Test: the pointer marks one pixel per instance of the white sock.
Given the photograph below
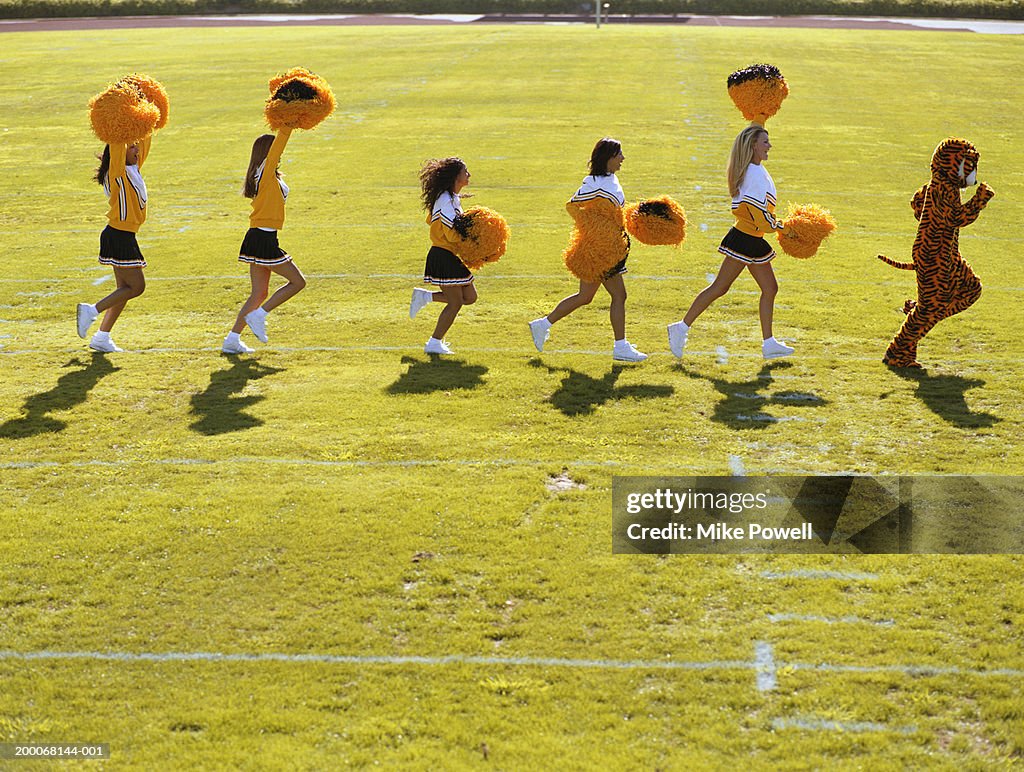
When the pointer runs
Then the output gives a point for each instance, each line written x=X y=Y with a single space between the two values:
x=621 y=341
x=92 y=310
x=101 y=335
x=770 y=340
x=433 y=340
x=261 y=311
x=544 y=319
x=233 y=337
x=684 y=325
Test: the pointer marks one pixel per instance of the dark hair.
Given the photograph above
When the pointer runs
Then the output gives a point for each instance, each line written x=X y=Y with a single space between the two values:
x=605 y=149
x=437 y=176
x=260 y=148
x=101 y=171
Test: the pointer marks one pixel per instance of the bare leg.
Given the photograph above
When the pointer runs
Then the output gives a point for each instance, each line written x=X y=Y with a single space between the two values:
x=455 y=297
x=731 y=268
x=259 y=277
x=296 y=283
x=130 y=284
x=617 y=313
x=765 y=278
x=567 y=305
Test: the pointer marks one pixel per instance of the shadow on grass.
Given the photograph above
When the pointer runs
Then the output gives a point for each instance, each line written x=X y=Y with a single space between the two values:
x=218 y=411
x=744 y=405
x=436 y=375
x=944 y=396
x=580 y=394
x=71 y=389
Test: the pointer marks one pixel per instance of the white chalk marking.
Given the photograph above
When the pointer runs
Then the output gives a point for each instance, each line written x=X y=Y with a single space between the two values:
x=722 y=355
x=818 y=724
x=916 y=671
x=847 y=620
x=766 y=668
x=770 y=419
x=351 y=659
x=736 y=466
x=338 y=464
x=100 y=280
x=803 y=573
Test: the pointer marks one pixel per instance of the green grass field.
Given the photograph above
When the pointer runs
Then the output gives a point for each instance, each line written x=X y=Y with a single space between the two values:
x=338 y=552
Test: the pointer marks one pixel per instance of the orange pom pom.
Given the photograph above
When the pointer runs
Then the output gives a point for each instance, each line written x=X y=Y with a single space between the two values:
x=656 y=221
x=807 y=225
x=598 y=241
x=121 y=115
x=758 y=91
x=483 y=236
x=299 y=100
x=153 y=92
x=294 y=72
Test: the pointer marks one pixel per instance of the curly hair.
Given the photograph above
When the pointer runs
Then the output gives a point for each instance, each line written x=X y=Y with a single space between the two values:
x=437 y=176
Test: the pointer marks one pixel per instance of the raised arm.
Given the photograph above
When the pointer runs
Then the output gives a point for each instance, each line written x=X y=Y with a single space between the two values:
x=144 y=146
x=965 y=214
x=277 y=149
x=118 y=156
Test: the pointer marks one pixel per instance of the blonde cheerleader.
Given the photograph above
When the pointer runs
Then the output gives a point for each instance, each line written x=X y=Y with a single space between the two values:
x=744 y=247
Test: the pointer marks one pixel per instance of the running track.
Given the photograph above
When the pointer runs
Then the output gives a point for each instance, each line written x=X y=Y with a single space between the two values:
x=271 y=20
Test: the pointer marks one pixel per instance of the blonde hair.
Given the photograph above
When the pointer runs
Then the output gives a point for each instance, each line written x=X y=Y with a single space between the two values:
x=741 y=155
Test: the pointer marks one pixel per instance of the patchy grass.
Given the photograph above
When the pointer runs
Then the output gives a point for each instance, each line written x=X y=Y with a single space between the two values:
x=340 y=494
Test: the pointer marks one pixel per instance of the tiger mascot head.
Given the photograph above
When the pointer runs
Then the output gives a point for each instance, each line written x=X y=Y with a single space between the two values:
x=955 y=162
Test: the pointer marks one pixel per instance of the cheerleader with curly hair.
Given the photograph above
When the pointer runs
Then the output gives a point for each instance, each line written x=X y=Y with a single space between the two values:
x=119 y=174
x=602 y=183
x=744 y=247
x=441 y=181
x=260 y=248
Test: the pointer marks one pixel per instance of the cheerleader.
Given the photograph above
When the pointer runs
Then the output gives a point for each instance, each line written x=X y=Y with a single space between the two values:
x=260 y=249
x=753 y=205
x=441 y=182
x=119 y=174
x=605 y=160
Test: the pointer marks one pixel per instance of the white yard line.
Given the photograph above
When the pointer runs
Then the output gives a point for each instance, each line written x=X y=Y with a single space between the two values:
x=803 y=573
x=764 y=664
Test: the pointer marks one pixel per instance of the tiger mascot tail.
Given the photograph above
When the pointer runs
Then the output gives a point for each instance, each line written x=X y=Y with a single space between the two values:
x=946 y=285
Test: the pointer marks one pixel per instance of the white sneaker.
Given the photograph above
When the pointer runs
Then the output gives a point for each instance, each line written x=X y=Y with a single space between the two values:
x=86 y=316
x=436 y=347
x=540 y=329
x=257 y=321
x=677 y=338
x=106 y=346
x=773 y=349
x=236 y=347
x=624 y=351
x=420 y=298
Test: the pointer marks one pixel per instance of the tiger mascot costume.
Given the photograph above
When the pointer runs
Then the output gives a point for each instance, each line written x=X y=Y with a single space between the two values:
x=946 y=285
